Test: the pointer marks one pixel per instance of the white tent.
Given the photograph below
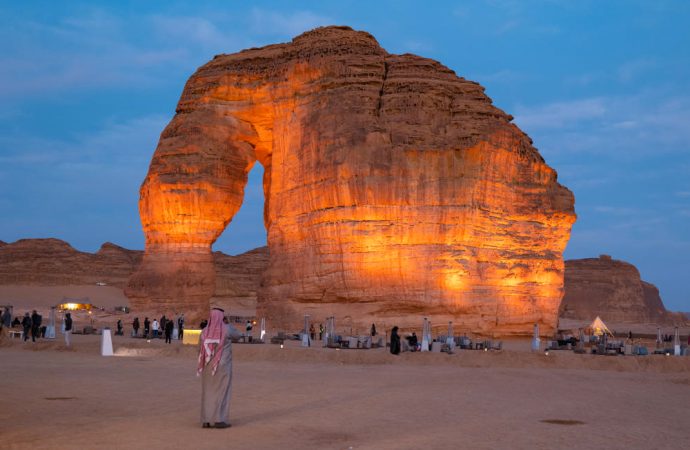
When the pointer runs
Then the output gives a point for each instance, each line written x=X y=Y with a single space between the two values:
x=599 y=327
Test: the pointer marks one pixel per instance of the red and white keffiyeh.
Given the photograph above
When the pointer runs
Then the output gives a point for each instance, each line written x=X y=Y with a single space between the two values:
x=212 y=339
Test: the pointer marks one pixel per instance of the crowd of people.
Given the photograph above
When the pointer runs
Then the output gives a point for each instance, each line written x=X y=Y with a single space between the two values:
x=156 y=329
x=33 y=327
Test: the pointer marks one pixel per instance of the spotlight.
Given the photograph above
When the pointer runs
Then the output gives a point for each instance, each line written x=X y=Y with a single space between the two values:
x=546 y=352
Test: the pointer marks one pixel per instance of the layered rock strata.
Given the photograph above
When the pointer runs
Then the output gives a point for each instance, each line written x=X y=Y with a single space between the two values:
x=393 y=189
x=52 y=262
x=613 y=290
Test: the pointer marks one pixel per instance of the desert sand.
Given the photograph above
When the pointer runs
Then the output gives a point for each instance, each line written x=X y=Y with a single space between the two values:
x=147 y=396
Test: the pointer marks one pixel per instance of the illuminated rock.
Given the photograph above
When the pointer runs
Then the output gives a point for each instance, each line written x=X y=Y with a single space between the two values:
x=613 y=290
x=394 y=189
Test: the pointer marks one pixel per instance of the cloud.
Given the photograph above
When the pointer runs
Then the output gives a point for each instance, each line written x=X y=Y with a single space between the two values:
x=99 y=49
x=192 y=30
x=617 y=210
x=116 y=146
x=560 y=114
x=634 y=125
x=288 y=24
x=631 y=70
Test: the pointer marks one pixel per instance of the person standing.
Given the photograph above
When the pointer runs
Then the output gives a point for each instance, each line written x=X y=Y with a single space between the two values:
x=7 y=318
x=35 y=326
x=312 y=332
x=119 y=327
x=321 y=332
x=249 y=330
x=395 y=341
x=169 y=325
x=180 y=326
x=373 y=330
x=135 y=326
x=147 y=327
x=26 y=325
x=68 y=328
x=214 y=365
x=154 y=327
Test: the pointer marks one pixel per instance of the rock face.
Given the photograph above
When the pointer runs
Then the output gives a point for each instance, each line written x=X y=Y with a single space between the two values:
x=52 y=262
x=49 y=262
x=393 y=189
x=613 y=290
x=238 y=280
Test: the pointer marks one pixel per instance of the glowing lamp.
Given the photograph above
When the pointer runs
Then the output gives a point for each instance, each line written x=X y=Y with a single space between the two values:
x=191 y=336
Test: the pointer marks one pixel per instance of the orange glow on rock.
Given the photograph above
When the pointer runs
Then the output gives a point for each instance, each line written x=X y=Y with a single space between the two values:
x=393 y=189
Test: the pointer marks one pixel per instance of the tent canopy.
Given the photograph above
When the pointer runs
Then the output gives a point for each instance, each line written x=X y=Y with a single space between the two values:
x=599 y=327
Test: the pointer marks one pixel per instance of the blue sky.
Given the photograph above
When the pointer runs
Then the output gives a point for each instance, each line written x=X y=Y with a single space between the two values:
x=602 y=87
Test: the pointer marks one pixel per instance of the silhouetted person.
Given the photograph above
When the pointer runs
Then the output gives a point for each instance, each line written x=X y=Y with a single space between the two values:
x=169 y=325
x=7 y=318
x=147 y=327
x=26 y=324
x=35 y=325
x=135 y=326
x=180 y=326
x=373 y=329
x=119 y=327
x=68 y=328
x=395 y=341
x=312 y=332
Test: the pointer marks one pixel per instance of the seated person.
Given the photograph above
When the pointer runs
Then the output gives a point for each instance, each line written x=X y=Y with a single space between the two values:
x=412 y=341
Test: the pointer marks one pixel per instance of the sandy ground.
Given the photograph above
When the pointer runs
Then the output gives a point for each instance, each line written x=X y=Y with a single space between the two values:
x=293 y=398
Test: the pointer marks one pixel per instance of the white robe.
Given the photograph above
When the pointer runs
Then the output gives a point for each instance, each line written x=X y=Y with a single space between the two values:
x=216 y=389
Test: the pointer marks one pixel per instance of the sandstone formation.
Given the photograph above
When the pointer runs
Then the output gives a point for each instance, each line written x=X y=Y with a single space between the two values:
x=52 y=262
x=393 y=189
x=613 y=290
x=238 y=280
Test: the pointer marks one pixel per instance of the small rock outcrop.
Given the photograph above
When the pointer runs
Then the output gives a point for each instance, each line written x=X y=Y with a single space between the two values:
x=392 y=187
x=613 y=290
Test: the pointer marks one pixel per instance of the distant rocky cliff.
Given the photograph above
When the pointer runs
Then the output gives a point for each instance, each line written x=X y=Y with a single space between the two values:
x=52 y=262
x=613 y=290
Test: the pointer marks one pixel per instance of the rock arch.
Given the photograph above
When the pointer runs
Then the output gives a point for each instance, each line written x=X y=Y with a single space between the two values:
x=392 y=187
